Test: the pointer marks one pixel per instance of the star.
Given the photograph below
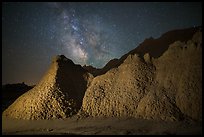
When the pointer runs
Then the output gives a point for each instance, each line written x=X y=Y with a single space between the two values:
x=75 y=28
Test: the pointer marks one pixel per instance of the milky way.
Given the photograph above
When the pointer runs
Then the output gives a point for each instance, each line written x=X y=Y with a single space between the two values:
x=87 y=33
x=84 y=39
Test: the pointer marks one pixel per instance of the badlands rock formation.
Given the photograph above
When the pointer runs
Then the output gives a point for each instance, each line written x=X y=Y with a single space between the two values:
x=166 y=88
x=58 y=95
x=164 y=83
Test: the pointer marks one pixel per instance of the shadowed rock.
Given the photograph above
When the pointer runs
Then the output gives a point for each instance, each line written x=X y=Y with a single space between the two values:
x=58 y=95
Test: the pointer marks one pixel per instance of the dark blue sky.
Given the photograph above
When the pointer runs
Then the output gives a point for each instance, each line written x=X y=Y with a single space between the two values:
x=87 y=33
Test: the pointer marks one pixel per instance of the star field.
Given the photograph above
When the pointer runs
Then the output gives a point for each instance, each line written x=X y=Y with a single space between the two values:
x=88 y=33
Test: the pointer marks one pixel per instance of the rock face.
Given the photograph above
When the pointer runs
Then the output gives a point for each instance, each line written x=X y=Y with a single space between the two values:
x=165 y=88
x=58 y=95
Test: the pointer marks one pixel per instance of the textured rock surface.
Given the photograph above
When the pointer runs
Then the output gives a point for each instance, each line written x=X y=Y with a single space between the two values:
x=58 y=95
x=118 y=92
x=179 y=71
x=167 y=88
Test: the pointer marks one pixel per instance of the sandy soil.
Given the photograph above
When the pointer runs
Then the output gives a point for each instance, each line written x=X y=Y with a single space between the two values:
x=98 y=126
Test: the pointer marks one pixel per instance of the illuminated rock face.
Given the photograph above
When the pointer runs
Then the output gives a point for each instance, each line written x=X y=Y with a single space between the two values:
x=166 y=88
x=58 y=95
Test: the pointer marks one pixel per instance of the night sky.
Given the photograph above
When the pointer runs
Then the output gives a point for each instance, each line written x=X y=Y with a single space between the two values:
x=87 y=33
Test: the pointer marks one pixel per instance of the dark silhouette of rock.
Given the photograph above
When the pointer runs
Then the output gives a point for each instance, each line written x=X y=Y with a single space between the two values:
x=98 y=71
x=58 y=95
x=10 y=92
x=154 y=47
x=92 y=70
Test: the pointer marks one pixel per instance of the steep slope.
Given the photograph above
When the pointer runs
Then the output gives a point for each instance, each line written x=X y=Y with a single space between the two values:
x=167 y=88
x=58 y=95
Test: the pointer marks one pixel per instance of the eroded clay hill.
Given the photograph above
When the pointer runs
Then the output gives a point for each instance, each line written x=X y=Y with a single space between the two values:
x=58 y=95
x=165 y=88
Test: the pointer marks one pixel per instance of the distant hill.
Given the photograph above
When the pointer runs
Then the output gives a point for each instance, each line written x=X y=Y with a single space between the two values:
x=155 y=47
x=10 y=92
